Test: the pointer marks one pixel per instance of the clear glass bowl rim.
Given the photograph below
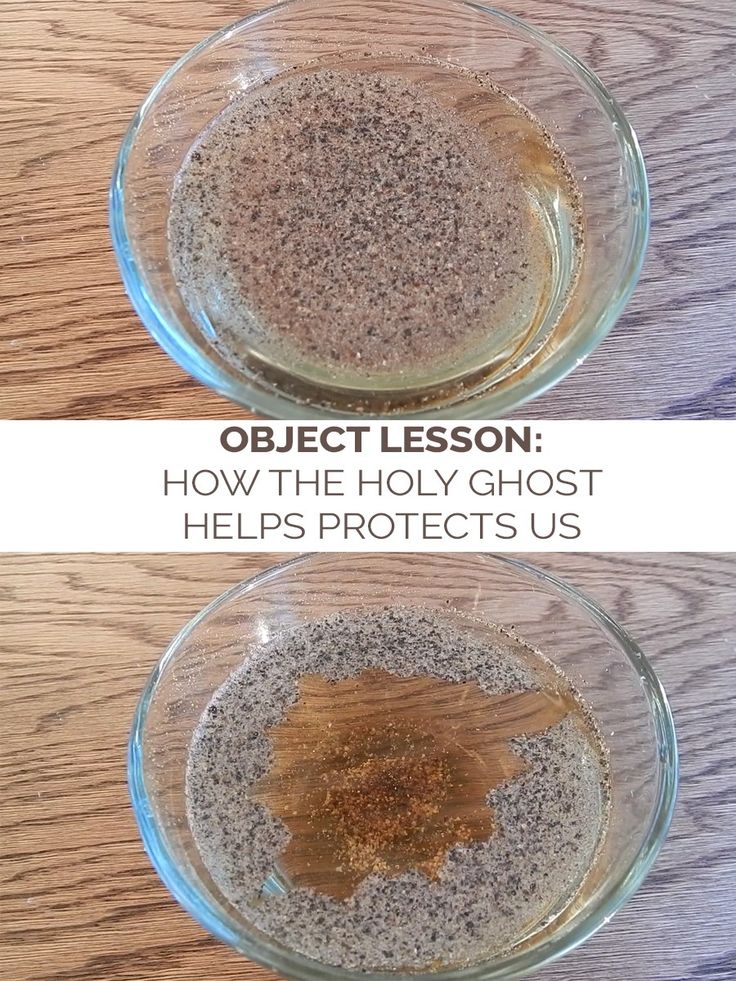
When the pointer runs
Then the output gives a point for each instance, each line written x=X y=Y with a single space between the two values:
x=291 y=964
x=487 y=405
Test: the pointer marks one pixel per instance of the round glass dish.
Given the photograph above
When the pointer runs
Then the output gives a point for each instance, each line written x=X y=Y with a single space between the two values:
x=596 y=653
x=565 y=96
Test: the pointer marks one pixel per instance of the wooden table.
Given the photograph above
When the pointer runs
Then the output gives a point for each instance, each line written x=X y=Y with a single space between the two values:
x=79 y=900
x=72 y=72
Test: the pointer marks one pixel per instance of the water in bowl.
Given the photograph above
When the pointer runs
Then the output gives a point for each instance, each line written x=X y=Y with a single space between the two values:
x=376 y=224
x=398 y=790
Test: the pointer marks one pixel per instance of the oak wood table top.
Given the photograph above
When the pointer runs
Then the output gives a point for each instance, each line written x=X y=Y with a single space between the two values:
x=78 y=898
x=73 y=72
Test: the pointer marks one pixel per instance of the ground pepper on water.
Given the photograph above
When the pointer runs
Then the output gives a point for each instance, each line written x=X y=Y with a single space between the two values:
x=349 y=219
x=548 y=820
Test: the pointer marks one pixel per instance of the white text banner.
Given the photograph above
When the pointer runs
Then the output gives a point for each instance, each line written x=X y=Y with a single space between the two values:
x=109 y=486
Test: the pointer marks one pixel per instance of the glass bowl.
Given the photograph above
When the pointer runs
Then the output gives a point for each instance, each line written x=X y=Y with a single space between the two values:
x=568 y=99
x=596 y=653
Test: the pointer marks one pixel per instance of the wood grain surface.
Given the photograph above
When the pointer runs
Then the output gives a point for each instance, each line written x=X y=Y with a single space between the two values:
x=72 y=72
x=79 y=900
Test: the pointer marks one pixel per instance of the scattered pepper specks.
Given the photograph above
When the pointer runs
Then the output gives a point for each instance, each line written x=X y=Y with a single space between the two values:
x=352 y=219
x=548 y=822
